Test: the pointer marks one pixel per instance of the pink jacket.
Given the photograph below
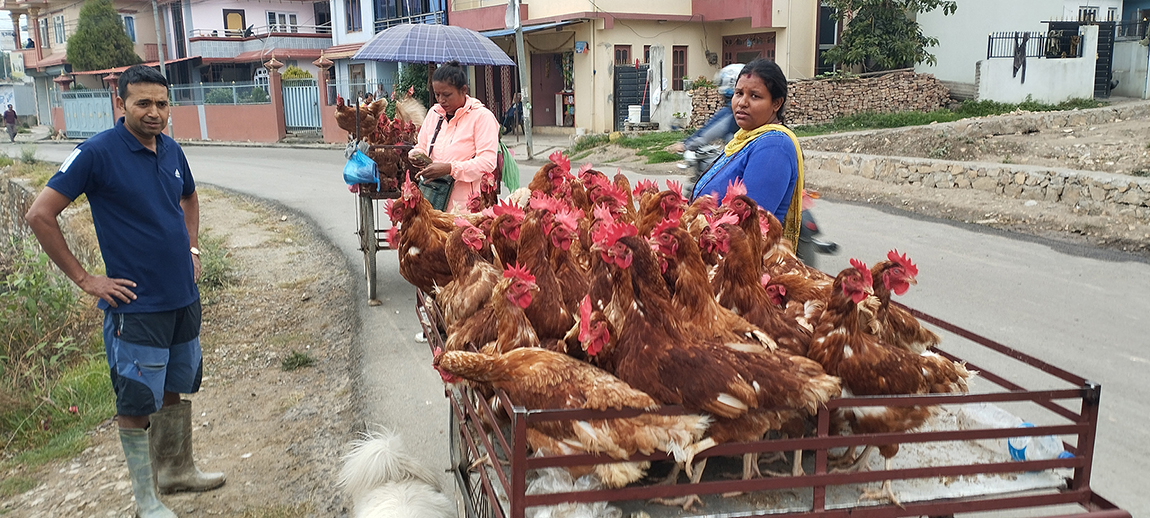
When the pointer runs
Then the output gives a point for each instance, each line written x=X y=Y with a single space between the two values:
x=469 y=142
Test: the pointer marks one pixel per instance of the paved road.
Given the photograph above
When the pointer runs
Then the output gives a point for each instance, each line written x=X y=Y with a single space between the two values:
x=1079 y=309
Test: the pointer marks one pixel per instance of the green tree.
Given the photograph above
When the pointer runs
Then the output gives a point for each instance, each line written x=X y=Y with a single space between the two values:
x=883 y=34
x=100 y=41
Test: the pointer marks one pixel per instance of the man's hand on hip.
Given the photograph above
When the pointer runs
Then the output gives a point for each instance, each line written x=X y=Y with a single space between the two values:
x=196 y=268
x=108 y=289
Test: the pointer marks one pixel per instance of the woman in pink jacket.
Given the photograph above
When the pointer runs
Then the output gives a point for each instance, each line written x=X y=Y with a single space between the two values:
x=462 y=135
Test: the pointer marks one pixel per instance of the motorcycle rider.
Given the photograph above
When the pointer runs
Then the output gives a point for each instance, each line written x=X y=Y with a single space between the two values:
x=720 y=127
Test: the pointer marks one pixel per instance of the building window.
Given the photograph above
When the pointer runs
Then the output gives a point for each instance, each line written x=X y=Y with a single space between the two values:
x=1087 y=14
x=678 y=66
x=354 y=15
x=282 y=22
x=1112 y=14
x=130 y=26
x=58 y=28
x=647 y=54
x=828 y=37
x=44 y=41
x=622 y=54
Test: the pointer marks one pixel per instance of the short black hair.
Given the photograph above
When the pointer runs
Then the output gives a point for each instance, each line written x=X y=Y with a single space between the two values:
x=139 y=74
x=451 y=73
x=773 y=77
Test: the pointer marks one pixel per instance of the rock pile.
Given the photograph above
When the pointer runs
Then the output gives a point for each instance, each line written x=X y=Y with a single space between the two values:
x=823 y=100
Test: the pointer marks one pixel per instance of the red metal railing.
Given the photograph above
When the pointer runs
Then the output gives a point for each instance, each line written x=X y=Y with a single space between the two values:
x=508 y=443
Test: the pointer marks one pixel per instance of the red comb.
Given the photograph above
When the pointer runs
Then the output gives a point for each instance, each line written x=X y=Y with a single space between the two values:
x=903 y=261
x=735 y=187
x=583 y=169
x=560 y=159
x=489 y=212
x=643 y=185
x=462 y=223
x=609 y=233
x=675 y=186
x=765 y=279
x=569 y=220
x=543 y=202
x=519 y=272
x=506 y=207
x=664 y=226
x=861 y=267
x=726 y=217
x=603 y=214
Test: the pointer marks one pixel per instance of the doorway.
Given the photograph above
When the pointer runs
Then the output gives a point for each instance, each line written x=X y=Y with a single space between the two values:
x=546 y=82
x=234 y=22
x=356 y=80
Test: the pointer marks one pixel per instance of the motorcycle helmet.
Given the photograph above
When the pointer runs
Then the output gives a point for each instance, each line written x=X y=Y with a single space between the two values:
x=726 y=78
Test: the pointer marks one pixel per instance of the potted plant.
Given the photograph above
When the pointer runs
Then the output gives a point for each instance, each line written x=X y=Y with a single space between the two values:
x=678 y=120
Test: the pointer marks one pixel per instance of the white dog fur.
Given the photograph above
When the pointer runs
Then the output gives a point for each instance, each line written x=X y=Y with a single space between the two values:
x=384 y=481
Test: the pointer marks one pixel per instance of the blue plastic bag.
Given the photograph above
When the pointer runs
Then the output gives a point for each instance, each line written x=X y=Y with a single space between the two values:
x=360 y=169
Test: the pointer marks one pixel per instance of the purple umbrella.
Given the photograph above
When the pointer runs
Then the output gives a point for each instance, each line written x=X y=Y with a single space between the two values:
x=432 y=43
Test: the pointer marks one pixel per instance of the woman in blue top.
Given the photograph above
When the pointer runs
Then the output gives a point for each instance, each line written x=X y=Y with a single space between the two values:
x=763 y=153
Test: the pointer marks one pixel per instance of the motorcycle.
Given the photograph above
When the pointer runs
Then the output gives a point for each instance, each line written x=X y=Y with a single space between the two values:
x=810 y=246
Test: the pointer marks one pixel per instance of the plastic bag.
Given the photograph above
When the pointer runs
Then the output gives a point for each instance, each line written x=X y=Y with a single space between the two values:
x=510 y=169
x=360 y=169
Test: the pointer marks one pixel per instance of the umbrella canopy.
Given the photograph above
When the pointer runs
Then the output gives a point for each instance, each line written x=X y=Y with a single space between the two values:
x=427 y=43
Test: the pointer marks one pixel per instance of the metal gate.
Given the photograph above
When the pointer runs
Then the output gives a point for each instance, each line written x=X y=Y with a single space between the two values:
x=631 y=88
x=301 y=104
x=87 y=112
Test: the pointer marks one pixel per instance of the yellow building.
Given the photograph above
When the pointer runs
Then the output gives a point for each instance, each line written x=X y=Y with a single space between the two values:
x=601 y=56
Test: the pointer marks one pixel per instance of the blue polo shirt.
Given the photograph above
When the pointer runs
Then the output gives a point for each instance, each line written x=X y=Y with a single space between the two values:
x=135 y=199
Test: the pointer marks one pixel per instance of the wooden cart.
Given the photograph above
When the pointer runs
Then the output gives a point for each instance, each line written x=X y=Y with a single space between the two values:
x=371 y=221
x=491 y=465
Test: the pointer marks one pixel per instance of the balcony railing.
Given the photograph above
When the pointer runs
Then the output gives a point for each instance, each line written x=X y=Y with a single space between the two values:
x=434 y=17
x=220 y=93
x=1135 y=30
x=263 y=31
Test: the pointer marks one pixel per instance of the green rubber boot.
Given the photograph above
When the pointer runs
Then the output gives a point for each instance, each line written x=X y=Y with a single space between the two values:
x=135 y=443
x=171 y=434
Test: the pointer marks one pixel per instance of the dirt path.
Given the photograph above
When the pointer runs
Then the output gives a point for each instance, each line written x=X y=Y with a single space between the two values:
x=277 y=434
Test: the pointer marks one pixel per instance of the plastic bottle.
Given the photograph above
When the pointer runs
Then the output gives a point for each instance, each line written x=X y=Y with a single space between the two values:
x=1043 y=447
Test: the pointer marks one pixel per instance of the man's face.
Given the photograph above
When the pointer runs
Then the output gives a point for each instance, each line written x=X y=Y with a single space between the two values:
x=145 y=108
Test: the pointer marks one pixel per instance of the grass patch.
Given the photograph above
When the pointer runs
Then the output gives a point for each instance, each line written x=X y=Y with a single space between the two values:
x=28 y=155
x=216 y=269
x=588 y=142
x=6 y=161
x=16 y=485
x=651 y=144
x=37 y=173
x=865 y=121
x=296 y=360
x=279 y=511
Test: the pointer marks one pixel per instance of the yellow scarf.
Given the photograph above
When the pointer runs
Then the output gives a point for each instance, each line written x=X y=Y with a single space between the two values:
x=795 y=210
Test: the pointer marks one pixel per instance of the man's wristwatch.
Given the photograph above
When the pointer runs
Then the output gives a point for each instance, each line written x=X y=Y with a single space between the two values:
x=195 y=251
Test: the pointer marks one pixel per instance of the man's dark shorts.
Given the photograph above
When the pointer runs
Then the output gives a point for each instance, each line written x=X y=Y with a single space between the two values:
x=150 y=353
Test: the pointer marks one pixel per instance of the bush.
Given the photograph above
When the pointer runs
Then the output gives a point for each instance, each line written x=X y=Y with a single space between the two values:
x=294 y=72
x=216 y=269
x=220 y=96
x=28 y=155
x=42 y=319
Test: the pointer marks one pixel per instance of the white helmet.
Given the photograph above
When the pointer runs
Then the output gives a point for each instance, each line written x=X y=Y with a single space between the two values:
x=726 y=78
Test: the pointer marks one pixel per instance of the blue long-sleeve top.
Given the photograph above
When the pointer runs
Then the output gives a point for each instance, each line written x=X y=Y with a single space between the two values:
x=768 y=166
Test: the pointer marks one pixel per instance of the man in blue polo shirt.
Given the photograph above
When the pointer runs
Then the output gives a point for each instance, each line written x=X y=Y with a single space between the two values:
x=146 y=213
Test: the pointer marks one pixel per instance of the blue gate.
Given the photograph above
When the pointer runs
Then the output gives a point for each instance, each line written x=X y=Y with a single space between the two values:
x=87 y=112
x=301 y=104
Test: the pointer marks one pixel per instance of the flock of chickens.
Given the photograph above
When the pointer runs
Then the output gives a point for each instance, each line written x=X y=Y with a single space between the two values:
x=569 y=295
x=387 y=139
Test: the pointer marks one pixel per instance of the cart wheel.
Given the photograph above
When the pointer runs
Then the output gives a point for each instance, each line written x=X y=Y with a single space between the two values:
x=369 y=244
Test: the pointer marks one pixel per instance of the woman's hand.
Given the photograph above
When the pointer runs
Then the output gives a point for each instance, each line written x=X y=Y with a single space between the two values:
x=434 y=170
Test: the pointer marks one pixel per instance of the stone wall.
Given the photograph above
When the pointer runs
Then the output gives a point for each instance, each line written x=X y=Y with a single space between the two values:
x=15 y=198
x=1093 y=192
x=823 y=100
x=16 y=195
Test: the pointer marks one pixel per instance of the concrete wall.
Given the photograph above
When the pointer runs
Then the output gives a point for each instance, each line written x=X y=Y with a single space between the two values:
x=236 y=123
x=208 y=15
x=1131 y=67
x=962 y=36
x=1070 y=8
x=1047 y=80
x=340 y=34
